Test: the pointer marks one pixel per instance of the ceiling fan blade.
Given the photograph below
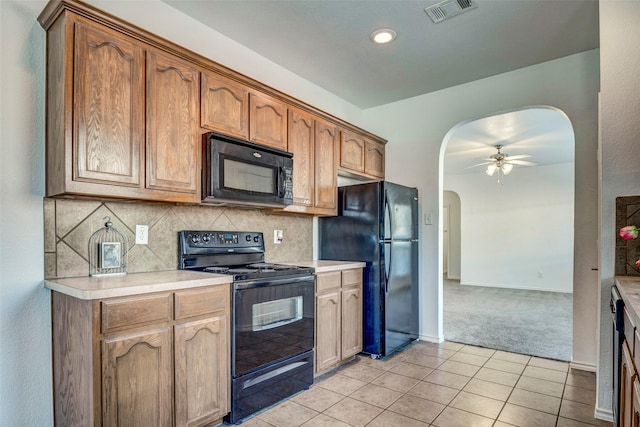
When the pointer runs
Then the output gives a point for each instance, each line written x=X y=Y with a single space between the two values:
x=522 y=162
x=519 y=156
x=479 y=164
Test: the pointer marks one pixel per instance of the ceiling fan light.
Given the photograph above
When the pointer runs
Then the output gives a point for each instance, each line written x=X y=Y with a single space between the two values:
x=491 y=169
x=507 y=168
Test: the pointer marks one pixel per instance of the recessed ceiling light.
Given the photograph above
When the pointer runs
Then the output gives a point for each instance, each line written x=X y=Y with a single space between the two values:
x=382 y=36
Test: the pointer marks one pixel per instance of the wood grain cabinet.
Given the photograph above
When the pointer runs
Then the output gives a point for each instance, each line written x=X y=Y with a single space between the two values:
x=224 y=106
x=338 y=317
x=121 y=117
x=313 y=143
x=267 y=121
x=158 y=359
x=361 y=155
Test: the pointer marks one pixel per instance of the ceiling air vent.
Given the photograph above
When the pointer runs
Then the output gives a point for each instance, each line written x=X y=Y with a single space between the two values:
x=449 y=8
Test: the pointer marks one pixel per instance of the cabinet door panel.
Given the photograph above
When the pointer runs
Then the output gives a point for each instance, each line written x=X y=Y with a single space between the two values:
x=627 y=376
x=301 y=144
x=326 y=185
x=267 y=122
x=351 y=151
x=108 y=107
x=328 y=335
x=351 y=321
x=137 y=384
x=224 y=106
x=173 y=87
x=202 y=365
x=374 y=159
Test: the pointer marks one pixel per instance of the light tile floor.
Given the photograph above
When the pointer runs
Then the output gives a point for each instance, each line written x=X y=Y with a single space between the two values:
x=444 y=385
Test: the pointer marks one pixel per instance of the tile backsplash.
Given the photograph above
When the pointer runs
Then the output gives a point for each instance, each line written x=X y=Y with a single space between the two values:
x=68 y=225
x=627 y=251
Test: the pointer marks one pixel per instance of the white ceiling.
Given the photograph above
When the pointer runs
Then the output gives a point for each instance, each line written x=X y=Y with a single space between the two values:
x=327 y=43
x=543 y=133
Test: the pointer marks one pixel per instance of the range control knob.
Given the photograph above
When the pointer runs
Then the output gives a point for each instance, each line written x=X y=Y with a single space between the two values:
x=248 y=237
x=206 y=238
x=195 y=238
x=256 y=239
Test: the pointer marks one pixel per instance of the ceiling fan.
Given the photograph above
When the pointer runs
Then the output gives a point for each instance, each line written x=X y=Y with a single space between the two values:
x=503 y=163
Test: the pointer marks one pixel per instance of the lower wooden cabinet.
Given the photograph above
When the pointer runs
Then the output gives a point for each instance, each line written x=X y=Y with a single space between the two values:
x=338 y=317
x=159 y=359
x=627 y=376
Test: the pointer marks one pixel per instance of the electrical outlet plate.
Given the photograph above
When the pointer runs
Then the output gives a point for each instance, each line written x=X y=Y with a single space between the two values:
x=277 y=236
x=142 y=234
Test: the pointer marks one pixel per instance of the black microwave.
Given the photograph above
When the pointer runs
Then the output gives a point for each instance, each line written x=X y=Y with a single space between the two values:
x=240 y=172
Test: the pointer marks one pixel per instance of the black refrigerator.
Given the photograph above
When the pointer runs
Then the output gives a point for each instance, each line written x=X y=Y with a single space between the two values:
x=377 y=223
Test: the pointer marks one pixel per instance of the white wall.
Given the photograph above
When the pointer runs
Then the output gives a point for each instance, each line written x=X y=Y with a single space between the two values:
x=25 y=333
x=513 y=232
x=417 y=127
x=620 y=151
x=25 y=325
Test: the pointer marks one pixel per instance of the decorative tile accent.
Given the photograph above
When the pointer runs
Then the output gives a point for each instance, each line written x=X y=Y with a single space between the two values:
x=627 y=251
x=70 y=223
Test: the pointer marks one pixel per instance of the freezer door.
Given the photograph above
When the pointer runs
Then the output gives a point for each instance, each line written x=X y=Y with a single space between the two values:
x=400 y=212
x=401 y=294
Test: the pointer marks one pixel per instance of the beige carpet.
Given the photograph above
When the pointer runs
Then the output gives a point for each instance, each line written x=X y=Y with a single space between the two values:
x=528 y=322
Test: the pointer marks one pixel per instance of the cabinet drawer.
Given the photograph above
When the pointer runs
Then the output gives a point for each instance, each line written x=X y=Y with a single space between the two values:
x=352 y=277
x=629 y=330
x=196 y=302
x=326 y=281
x=129 y=312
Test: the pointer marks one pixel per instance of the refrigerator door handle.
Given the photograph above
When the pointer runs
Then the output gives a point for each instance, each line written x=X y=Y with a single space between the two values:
x=388 y=218
x=387 y=266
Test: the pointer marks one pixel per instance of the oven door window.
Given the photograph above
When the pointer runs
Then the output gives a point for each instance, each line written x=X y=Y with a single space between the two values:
x=273 y=314
x=244 y=176
x=272 y=323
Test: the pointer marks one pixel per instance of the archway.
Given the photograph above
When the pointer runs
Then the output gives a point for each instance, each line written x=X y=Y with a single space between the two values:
x=518 y=229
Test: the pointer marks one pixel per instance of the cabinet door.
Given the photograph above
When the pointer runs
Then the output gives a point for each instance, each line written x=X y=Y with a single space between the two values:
x=326 y=170
x=268 y=121
x=173 y=137
x=328 y=314
x=351 y=321
x=137 y=387
x=374 y=159
x=202 y=371
x=108 y=107
x=351 y=151
x=627 y=376
x=301 y=144
x=635 y=413
x=224 y=106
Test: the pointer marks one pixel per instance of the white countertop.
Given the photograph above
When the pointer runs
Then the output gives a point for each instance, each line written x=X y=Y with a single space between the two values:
x=89 y=288
x=324 y=266
x=629 y=288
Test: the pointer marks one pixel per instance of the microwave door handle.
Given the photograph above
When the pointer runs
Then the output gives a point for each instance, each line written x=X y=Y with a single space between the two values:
x=281 y=186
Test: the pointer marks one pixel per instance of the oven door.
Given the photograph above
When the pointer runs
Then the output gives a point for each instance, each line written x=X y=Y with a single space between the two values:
x=273 y=320
x=241 y=172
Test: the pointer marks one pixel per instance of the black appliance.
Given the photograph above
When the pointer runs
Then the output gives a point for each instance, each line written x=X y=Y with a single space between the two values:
x=241 y=172
x=617 y=305
x=273 y=310
x=378 y=224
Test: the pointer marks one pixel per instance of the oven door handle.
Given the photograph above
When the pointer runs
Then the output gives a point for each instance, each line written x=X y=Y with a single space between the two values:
x=259 y=283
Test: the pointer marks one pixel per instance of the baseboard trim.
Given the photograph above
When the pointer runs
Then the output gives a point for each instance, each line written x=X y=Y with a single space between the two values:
x=582 y=366
x=604 y=414
x=520 y=288
x=430 y=338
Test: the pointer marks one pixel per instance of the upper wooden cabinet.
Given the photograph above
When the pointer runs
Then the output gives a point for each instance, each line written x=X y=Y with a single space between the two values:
x=374 y=158
x=106 y=134
x=361 y=155
x=267 y=121
x=313 y=143
x=173 y=137
x=224 y=106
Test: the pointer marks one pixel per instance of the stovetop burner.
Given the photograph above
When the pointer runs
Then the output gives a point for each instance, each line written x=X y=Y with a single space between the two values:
x=238 y=253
